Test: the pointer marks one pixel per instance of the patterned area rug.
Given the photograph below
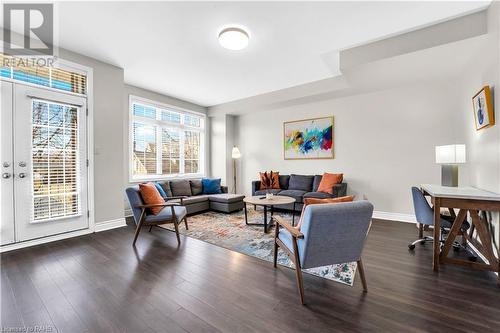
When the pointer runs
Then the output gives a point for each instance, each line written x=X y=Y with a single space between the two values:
x=231 y=232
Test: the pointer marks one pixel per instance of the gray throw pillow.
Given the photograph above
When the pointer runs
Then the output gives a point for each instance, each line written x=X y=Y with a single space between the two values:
x=196 y=186
x=180 y=187
x=317 y=180
x=166 y=187
x=300 y=182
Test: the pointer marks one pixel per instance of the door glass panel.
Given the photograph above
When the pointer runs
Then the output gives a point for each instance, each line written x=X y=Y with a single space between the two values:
x=55 y=151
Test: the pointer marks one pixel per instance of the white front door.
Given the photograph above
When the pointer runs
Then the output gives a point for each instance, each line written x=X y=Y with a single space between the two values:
x=49 y=162
x=7 y=233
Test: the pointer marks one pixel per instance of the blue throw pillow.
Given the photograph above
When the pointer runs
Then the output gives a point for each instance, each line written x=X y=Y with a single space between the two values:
x=211 y=186
x=160 y=189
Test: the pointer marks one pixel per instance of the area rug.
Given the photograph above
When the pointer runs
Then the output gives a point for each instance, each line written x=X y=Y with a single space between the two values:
x=230 y=231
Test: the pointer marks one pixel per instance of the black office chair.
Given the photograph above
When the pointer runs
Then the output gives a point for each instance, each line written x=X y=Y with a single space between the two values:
x=425 y=216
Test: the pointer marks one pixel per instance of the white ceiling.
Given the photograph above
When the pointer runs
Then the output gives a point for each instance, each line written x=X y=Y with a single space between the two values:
x=172 y=48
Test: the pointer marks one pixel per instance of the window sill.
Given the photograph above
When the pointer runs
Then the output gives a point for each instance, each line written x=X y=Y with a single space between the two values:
x=137 y=180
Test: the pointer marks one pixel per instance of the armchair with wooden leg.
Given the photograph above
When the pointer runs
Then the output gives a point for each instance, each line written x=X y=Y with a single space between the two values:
x=329 y=234
x=171 y=212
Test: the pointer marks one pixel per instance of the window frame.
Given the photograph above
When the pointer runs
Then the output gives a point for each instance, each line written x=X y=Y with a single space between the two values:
x=159 y=124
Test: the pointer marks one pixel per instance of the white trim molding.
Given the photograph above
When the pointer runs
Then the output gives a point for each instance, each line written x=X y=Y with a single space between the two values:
x=400 y=217
x=98 y=227
x=43 y=240
x=111 y=224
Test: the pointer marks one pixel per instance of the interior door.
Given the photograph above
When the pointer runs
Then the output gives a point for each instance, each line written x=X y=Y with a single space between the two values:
x=7 y=233
x=50 y=163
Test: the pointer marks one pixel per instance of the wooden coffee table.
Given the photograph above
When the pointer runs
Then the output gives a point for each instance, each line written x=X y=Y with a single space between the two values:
x=260 y=200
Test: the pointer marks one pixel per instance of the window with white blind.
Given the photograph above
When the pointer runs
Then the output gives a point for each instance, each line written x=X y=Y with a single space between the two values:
x=164 y=141
x=56 y=172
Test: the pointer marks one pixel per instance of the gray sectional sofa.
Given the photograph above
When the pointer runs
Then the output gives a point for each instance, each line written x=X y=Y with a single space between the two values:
x=195 y=201
x=300 y=187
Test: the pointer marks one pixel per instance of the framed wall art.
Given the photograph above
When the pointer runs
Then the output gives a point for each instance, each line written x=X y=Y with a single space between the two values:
x=308 y=139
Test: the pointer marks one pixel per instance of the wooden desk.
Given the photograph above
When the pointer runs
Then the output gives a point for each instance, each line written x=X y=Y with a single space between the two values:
x=468 y=200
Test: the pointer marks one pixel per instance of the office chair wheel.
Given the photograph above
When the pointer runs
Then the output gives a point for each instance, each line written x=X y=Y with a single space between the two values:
x=411 y=246
x=472 y=258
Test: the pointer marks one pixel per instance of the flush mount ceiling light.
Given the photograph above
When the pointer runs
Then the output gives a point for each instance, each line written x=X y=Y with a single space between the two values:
x=234 y=38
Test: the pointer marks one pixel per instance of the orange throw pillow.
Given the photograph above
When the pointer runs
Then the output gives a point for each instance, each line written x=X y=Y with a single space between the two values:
x=151 y=196
x=328 y=180
x=316 y=201
x=269 y=180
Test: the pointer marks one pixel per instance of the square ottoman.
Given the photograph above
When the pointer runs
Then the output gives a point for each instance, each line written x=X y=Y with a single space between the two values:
x=226 y=202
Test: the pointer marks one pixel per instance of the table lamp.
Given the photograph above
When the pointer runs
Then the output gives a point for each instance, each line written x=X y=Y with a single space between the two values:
x=449 y=157
x=235 y=154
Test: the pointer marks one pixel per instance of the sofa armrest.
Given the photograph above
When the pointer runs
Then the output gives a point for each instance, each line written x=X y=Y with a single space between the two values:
x=339 y=190
x=255 y=186
x=224 y=189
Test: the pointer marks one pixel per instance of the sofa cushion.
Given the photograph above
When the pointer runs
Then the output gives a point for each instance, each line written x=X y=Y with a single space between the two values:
x=196 y=186
x=151 y=196
x=180 y=187
x=211 y=186
x=283 y=180
x=166 y=214
x=317 y=180
x=296 y=194
x=301 y=183
x=194 y=199
x=226 y=197
x=166 y=188
x=263 y=192
x=318 y=195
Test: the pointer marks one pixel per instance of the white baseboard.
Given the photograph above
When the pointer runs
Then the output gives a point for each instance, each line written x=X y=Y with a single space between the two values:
x=111 y=224
x=409 y=218
x=38 y=241
x=102 y=226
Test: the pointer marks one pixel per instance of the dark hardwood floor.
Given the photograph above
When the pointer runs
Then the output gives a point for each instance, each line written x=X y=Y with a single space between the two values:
x=100 y=283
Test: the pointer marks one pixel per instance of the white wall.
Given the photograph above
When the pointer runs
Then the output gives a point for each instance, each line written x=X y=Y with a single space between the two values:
x=483 y=147
x=383 y=141
x=108 y=134
x=222 y=134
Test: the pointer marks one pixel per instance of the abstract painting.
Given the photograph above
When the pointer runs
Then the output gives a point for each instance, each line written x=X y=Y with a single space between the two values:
x=308 y=139
x=483 y=109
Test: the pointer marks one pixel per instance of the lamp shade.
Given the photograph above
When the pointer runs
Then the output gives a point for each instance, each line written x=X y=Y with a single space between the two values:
x=450 y=154
x=235 y=153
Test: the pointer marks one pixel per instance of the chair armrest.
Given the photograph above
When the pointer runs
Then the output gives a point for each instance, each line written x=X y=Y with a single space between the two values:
x=181 y=197
x=255 y=186
x=293 y=231
x=165 y=204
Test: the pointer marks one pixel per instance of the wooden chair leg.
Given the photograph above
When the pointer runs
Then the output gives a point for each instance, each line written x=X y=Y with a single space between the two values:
x=176 y=225
x=361 y=271
x=275 y=251
x=186 y=222
x=137 y=230
x=298 y=271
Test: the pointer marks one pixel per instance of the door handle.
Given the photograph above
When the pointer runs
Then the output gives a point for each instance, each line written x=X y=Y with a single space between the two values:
x=22 y=175
x=6 y=175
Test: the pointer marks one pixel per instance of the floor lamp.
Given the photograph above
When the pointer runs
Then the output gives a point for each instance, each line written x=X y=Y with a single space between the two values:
x=235 y=155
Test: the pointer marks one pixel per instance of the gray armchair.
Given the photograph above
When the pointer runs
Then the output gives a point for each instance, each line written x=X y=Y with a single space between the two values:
x=329 y=234
x=175 y=213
